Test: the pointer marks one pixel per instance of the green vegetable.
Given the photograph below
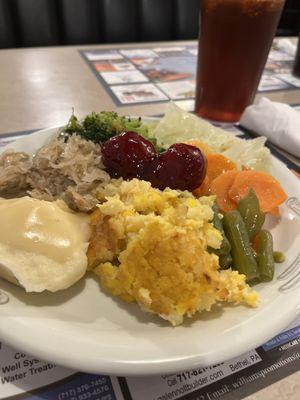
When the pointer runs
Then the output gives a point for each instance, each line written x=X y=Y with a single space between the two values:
x=73 y=126
x=158 y=148
x=225 y=261
x=224 y=251
x=265 y=259
x=99 y=127
x=278 y=257
x=249 y=209
x=241 y=251
x=217 y=222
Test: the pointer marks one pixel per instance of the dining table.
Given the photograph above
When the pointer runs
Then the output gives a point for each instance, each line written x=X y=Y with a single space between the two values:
x=40 y=88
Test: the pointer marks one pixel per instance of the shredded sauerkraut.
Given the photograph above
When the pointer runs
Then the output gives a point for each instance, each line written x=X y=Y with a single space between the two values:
x=69 y=169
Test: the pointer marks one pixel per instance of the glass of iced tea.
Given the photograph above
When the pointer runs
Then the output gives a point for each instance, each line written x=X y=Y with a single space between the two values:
x=234 y=41
x=296 y=68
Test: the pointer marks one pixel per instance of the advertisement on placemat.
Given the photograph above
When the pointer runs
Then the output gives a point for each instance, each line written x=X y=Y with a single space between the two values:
x=170 y=72
x=32 y=379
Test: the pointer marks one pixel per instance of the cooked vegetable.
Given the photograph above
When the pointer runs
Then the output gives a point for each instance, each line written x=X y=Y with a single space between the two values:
x=223 y=252
x=99 y=127
x=278 y=257
x=249 y=209
x=205 y=148
x=275 y=212
x=217 y=222
x=268 y=190
x=203 y=189
x=265 y=260
x=252 y=153
x=220 y=187
x=178 y=125
x=225 y=261
x=242 y=254
x=217 y=164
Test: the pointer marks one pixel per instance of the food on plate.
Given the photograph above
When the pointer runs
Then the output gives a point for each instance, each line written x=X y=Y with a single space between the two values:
x=224 y=251
x=68 y=169
x=42 y=244
x=220 y=187
x=251 y=213
x=243 y=259
x=99 y=127
x=232 y=186
x=217 y=164
x=151 y=246
x=13 y=169
x=127 y=154
x=265 y=256
x=205 y=148
x=268 y=190
x=178 y=125
x=180 y=167
x=175 y=210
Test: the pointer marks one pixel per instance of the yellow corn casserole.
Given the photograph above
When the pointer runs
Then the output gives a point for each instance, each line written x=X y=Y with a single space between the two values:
x=151 y=246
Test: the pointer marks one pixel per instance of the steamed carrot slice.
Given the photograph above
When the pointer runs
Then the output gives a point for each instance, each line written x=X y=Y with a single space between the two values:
x=205 y=148
x=268 y=190
x=220 y=186
x=203 y=189
x=217 y=164
x=275 y=212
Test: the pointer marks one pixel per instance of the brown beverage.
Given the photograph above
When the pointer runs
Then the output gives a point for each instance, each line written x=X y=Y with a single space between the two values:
x=235 y=39
x=296 y=68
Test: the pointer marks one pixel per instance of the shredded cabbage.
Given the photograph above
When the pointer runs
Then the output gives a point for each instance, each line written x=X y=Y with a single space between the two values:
x=178 y=125
x=250 y=153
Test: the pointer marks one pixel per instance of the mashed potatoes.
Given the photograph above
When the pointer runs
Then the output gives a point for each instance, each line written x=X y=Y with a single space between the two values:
x=42 y=244
x=150 y=246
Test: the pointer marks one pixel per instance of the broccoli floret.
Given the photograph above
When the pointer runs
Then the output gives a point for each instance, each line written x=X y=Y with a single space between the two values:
x=99 y=127
x=73 y=126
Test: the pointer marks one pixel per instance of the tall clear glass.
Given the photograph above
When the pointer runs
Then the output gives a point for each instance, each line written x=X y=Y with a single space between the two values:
x=296 y=67
x=234 y=42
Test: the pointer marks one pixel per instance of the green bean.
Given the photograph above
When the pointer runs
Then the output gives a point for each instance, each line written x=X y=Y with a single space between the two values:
x=241 y=251
x=225 y=261
x=278 y=257
x=265 y=258
x=225 y=245
x=251 y=214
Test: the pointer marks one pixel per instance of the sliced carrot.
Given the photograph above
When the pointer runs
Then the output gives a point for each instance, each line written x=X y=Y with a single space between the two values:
x=205 y=148
x=268 y=190
x=221 y=186
x=245 y=168
x=275 y=212
x=203 y=189
x=217 y=164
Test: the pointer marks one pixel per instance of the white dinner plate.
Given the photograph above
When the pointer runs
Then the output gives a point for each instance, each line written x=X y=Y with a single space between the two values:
x=86 y=329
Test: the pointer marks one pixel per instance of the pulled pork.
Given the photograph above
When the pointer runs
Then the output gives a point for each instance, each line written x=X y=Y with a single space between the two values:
x=70 y=170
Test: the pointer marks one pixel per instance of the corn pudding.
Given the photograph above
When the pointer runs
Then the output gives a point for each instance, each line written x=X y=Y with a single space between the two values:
x=151 y=247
